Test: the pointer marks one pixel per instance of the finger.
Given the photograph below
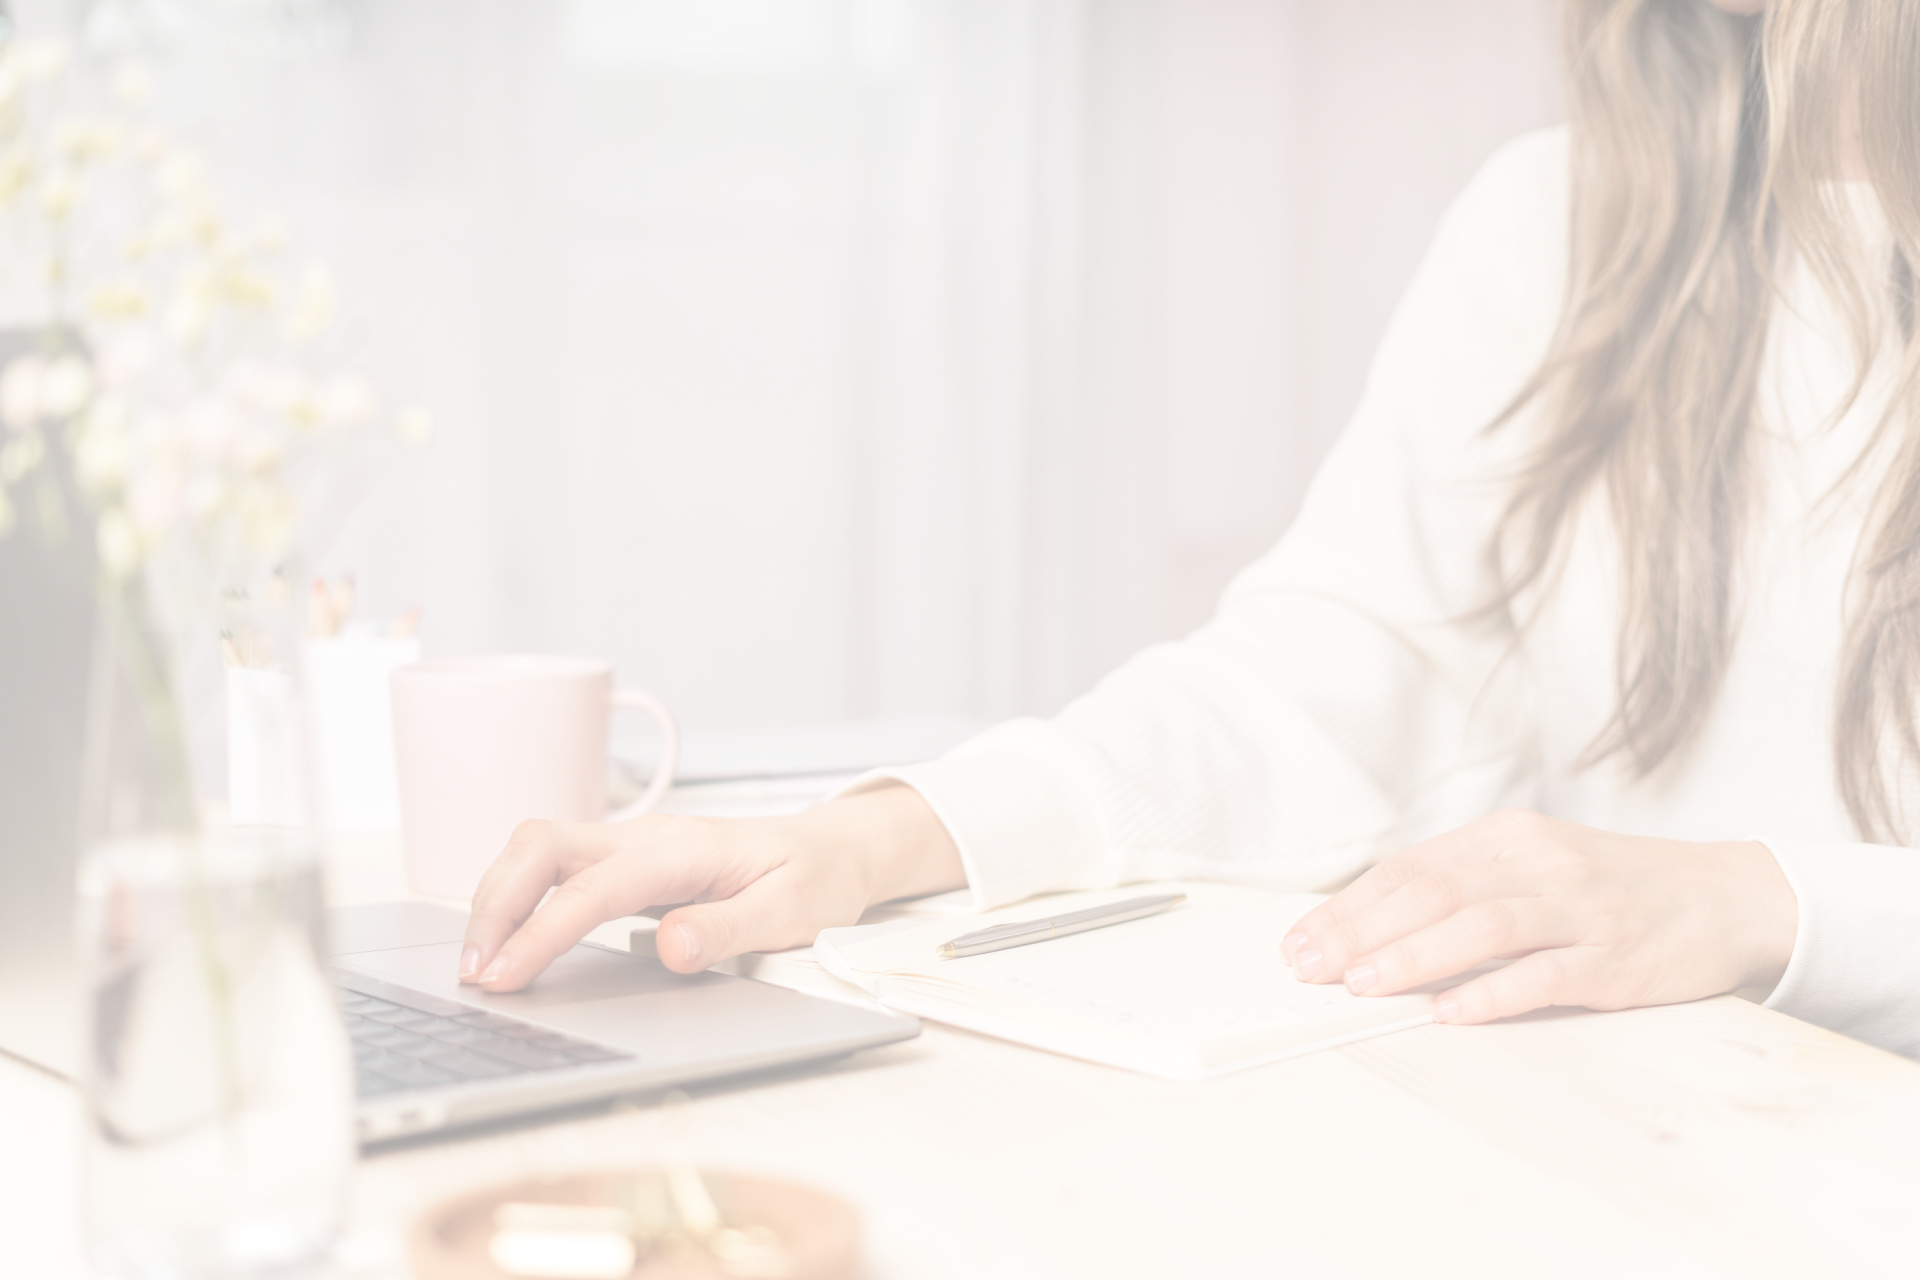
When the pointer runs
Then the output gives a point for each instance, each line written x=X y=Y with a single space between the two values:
x=1323 y=956
x=1481 y=840
x=668 y=864
x=1477 y=933
x=1379 y=882
x=1531 y=982
x=764 y=916
x=537 y=856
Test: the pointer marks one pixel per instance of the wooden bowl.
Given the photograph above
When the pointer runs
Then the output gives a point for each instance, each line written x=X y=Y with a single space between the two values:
x=818 y=1233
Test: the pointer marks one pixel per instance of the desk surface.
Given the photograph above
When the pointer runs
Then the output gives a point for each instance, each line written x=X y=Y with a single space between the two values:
x=1715 y=1138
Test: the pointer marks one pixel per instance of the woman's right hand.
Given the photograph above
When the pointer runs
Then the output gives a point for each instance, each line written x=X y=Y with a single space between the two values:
x=754 y=884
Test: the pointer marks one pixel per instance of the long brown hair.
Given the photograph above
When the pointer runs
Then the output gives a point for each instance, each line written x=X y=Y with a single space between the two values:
x=1702 y=146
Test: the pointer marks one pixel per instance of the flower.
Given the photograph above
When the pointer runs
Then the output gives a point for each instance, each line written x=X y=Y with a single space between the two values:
x=313 y=304
x=183 y=177
x=271 y=235
x=183 y=355
x=345 y=402
x=117 y=543
x=189 y=313
x=118 y=300
x=154 y=500
x=40 y=59
x=273 y=389
x=123 y=360
x=21 y=455
x=20 y=391
x=414 y=427
x=211 y=429
x=266 y=518
x=206 y=493
x=101 y=449
x=89 y=141
x=58 y=194
x=259 y=453
x=66 y=384
x=131 y=87
x=16 y=174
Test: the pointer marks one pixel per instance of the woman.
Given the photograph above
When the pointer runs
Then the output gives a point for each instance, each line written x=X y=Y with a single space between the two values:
x=1605 y=610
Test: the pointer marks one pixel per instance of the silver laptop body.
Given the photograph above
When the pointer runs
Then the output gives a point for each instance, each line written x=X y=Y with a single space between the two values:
x=432 y=1053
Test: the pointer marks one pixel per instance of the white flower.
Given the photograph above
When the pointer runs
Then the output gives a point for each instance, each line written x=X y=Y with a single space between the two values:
x=117 y=543
x=58 y=195
x=148 y=143
x=65 y=386
x=206 y=492
x=303 y=411
x=414 y=426
x=120 y=300
x=156 y=441
x=39 y=59
x=21 y=455
x=245 y=286
x=265 y=389
x=266 y=518
x=154 y=501
x=16 y=173
x=192 y=401
x=259 y=453
x=189 y=314
x=20 y=395
x=121 y=361
x=87 y=141
x=160 y=235
x=183 y=176
x=346 y=402
x=102 y=451
x=131 y=87
x=210 y=429
x=314 y=300
x=33 y=389
x=272 y=235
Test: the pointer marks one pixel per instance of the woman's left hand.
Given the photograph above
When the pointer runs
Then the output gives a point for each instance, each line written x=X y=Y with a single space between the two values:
x=1596 y=919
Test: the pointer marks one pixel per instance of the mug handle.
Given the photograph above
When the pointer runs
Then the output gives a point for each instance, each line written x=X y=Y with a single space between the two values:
x=637 y=700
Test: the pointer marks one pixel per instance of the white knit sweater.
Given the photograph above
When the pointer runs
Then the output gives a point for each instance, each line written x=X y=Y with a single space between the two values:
x=1330 y=714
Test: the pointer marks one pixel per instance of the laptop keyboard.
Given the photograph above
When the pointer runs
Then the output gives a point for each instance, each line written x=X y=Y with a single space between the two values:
x=397 y=1047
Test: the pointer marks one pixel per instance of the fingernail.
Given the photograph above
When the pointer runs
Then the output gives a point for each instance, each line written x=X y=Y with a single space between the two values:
x=1360 y=977
x=1292 y=941
x=469 y=961
x=1446 y=1009
x=689 y=947
x=494 y=970
x=1306 y=962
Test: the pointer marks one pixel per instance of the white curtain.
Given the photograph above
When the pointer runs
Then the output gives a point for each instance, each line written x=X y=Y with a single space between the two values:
x=825 y=359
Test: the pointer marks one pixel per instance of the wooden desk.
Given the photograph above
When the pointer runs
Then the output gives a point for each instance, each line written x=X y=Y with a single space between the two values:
x=1709 y=1139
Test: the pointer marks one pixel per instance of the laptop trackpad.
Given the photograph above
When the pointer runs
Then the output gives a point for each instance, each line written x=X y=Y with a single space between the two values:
x=585 y=973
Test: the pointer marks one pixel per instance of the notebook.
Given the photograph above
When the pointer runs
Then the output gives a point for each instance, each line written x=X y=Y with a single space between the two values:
x=1191 y=993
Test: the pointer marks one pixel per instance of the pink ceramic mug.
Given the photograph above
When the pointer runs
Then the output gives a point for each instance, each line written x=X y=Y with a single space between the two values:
x=483 y=743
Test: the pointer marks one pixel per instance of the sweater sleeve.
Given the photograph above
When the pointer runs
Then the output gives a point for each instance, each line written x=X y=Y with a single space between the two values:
x=1853 y=955
x=1336 y=706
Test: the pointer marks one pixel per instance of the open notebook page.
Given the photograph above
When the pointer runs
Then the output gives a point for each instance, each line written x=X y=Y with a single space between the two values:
x=1193 y=992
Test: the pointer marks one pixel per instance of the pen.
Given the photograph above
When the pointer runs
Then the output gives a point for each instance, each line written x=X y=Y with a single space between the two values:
x=1020 y=934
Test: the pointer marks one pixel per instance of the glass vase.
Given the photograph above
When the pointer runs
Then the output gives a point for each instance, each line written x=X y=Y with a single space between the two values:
x=217 y=1074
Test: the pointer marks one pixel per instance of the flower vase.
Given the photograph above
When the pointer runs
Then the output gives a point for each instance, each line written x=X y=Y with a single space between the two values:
x=217 y=1075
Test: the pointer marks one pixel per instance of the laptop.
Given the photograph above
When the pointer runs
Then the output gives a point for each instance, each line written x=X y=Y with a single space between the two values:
x=431 y=1053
